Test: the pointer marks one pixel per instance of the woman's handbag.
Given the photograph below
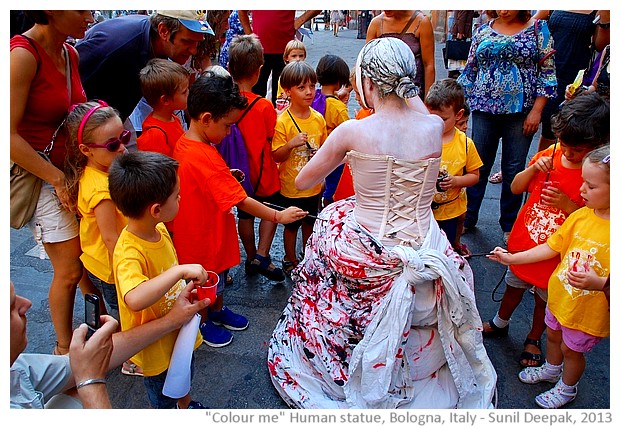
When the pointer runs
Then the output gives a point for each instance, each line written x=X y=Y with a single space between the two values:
x=456 y=50
x=25 y=190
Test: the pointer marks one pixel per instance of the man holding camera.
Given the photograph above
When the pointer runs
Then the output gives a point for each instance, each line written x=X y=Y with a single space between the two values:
x=39 y=380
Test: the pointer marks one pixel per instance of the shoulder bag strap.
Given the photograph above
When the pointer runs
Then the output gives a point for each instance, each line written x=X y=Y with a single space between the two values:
x=293 y=119
x=404 y=30
x=160 y=129
x=249 y=107
x=34 y=46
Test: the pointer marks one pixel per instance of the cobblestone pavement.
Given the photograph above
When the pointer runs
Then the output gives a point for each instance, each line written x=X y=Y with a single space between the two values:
x=236 y=376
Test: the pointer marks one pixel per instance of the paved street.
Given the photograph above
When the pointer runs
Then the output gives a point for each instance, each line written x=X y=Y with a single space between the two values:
x=236 y=376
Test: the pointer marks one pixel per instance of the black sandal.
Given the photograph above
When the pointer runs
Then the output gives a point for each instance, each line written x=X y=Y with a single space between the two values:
x=495 y=332
x=267 y=269
x=537 y=357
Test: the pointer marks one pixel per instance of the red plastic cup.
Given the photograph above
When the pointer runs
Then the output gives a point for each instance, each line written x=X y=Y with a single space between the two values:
x=209 y=288
x=546 y=184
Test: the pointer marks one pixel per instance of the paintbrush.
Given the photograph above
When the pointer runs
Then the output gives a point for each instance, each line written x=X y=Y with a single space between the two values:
x=284 y=208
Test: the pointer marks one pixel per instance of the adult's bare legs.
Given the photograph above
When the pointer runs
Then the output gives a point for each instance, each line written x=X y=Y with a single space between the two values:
x=67 y=266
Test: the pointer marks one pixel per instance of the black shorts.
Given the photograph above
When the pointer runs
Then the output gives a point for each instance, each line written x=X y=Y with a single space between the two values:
x=309 y=204
x=273 y=199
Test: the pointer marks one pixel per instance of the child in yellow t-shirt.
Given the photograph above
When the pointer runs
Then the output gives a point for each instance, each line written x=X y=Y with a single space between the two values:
x=460 y=161
x=300 y=131
x=145 y=187
x=577 y=314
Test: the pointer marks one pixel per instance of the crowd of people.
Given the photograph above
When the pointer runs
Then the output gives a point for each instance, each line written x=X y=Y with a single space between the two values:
x=382 y=313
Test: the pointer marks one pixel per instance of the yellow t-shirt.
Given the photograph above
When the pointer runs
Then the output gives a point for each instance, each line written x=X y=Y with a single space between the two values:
x=299 y=157
x=456 y=159
x=336 y=112
x=136 y=261
x=93 y=189
x=583 y=243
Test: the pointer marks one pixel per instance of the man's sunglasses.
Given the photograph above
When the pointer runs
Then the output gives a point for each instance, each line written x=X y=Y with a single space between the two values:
x=114 y=144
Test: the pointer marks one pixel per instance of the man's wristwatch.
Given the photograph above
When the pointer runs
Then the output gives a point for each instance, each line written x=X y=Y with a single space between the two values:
x=604 y=26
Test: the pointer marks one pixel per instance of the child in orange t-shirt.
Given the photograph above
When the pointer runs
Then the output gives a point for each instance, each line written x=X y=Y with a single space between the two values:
x=165 y=85
x=257 y=129
x=553 y=179
x=204 y=228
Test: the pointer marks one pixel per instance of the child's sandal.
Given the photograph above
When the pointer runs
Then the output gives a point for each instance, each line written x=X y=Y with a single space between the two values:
x=289 y=266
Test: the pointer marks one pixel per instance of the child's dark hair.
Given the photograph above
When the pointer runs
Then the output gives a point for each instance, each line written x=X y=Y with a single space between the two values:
x=216 y=94
x=75 y=160
x=445 y=93
x=332 y=70
x=296 y=73
x=245 y=56
x=583 y=120
x=140 y=179
x=601 y=157
x=161 y=77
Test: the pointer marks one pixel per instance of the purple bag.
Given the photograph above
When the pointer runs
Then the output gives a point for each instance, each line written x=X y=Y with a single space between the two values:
x=233 y=150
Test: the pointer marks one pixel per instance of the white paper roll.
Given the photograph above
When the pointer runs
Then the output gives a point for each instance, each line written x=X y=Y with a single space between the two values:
x=178 y=379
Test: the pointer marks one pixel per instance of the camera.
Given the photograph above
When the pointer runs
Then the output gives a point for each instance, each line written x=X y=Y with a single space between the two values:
x=91 y=313
x=442 y=175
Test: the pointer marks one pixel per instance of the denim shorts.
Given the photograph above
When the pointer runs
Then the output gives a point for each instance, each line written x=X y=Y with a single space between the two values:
x=108 y=290
x=51 y=222
x=574 y=339
x=513 y=281
x=154 y=389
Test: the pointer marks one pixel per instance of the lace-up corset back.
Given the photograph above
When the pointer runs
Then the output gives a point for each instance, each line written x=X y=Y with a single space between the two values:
x=393 y=196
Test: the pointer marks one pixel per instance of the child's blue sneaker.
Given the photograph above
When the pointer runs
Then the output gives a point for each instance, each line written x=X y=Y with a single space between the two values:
x=215 y=336
x=228 y=319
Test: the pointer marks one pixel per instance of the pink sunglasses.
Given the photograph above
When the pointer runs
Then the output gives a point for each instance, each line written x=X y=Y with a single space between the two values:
x=113 y=144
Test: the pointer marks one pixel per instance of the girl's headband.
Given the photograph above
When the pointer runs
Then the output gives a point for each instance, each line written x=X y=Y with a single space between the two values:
x=85 y=119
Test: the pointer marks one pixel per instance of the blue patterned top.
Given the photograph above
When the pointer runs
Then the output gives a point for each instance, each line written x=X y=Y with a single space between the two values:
x=234 y=28
x=502 y=73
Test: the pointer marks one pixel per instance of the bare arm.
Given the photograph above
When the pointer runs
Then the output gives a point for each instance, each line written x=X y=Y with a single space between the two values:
x=373 y=29
x=149 y=292
x=305 y=17
x=255 y=208
x=602 y=35
x=327 y=158
x=105 y=213
x=542 y=14
x=244 y=19
x=541 y=252
x=108 y=349
x=427 y=46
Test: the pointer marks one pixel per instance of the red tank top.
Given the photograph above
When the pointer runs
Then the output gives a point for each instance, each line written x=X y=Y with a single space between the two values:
x=48 y=99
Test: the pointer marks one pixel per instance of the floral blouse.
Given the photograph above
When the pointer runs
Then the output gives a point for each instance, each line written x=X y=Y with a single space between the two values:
x=234 y=28
x=503 y=74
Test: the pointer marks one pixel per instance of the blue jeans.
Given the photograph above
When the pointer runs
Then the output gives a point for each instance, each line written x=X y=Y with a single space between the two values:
x=487 y=129
x=108 y=291
x=155 y=385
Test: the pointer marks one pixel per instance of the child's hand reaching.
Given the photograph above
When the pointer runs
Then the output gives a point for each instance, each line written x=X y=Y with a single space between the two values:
x=587 y=280
x=500 y=255
x=194 y=272
x=290 y=214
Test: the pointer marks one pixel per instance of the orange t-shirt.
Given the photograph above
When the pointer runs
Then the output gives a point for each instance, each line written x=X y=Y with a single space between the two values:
x=536 y=222
x=257 y=128
x=159 y=136
x=205 y=230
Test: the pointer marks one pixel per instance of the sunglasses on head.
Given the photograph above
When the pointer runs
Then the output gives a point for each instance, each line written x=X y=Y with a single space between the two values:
x=114 y=144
